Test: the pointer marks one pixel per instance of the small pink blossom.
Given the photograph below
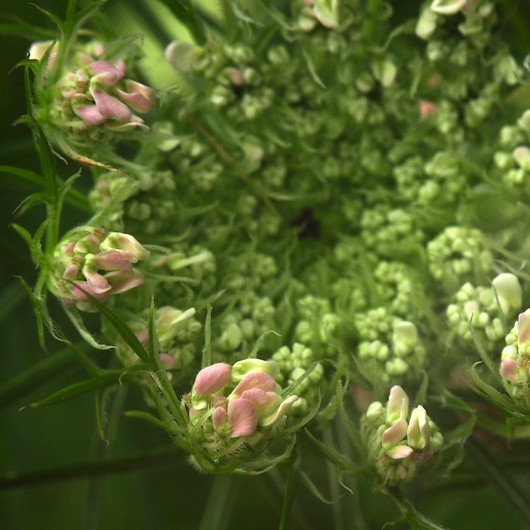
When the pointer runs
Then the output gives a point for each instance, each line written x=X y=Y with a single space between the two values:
x=90 y=114
x=394 y=434
x=523 y=328
x=109 y=106
x=122 y=281
x=242 y=418
x=139 y=97
x=110 y=260
x=254 y=380
x=509 y=369
x=211 y=379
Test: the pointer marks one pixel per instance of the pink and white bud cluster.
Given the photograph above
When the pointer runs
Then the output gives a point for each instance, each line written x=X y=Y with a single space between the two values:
x=515 y=360
x=91 y=261
x=95 y=90
x=238 y=405
x=398 y=442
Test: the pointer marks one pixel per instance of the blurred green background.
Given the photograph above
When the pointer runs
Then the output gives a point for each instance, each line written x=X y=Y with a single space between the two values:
x=160 y=491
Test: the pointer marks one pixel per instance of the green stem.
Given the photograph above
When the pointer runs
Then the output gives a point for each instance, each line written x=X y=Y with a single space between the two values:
x=160 y=458
x=172 y=400
x=217 y=512
x=498 y=478
x=333 y=483
x=30 y=379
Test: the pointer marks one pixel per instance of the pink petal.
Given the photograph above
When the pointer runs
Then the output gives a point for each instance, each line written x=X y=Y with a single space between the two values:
x=134 y=121
x=395 y=433
x=111 y=260
x=212 y=379
x=109 y=79
x=255 y=380
x=399 y=452
x=219 y=419
x=264 y=402
x=96 y=281
x=125 y=243
x=523 y=328
x=509 y=369
x=90 y=114
x=242 y=418
x=103 y=67
x=80 y=290
x=138 y=96
x=71 y=272
x=122 y=281
x=109 y=106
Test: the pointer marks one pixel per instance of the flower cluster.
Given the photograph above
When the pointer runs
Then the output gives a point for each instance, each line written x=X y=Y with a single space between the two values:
x=93 y=91
x=90 y=261
x=398 y=444
x=234 y=411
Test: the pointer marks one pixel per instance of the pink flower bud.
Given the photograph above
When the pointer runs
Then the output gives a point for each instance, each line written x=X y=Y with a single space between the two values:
x=71 y=272
x=242 y=418
x=111 y=260
x=90 y=114
x=109 y=106
x=211 y=379
x=133 y=123
x=398 y=404
x=122 y=281
x=394 y=434
x=80 y=289
x=219 y=419
x=125 y=243
x=264 y=402
x=97 y=282
x=103 y=67
x=140 y=97
x=523 y=328
x=399 y=452
x=418 y=435
x=254 y=380
x=509 y=369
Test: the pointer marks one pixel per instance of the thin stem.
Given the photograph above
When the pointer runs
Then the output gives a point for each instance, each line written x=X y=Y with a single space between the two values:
x=220 y=503
x=30 y=379
x=159 y=458
x=336 y=507
x=500 y=480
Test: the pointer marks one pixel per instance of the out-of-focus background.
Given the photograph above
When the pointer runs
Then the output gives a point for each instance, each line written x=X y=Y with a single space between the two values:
x=67 y=480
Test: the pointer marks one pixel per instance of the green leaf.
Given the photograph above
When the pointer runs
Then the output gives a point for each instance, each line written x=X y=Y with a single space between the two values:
x=333 y=455
x=288 y=497
x=191 y=17
x=412 y=516
x=102 y=381
x=207 y=349
x=313 y=488
x=42 y=372
x=153 y=349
